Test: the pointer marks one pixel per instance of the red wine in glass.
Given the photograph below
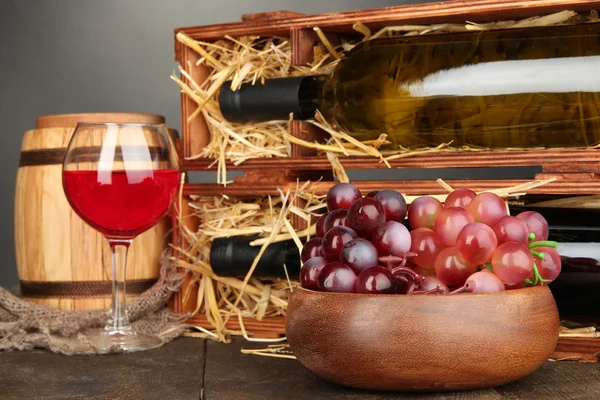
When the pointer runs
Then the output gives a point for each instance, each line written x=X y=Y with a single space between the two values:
x=121 y=179
x=127 y=204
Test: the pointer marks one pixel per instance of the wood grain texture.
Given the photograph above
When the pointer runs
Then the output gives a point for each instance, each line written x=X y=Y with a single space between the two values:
x=578 y=349
x=270 y=16
x=195 y=133
x=563 y=380
x=53 y=243
x=550 y=160
x=422 y=343
x=191 y=222
x=232 y=375
x=455 y=11
x=268 y=327
x=263 y=378
x=171 y=372
x=431 y=187
x=416 y=187
x=71 y=120
x=195 y=369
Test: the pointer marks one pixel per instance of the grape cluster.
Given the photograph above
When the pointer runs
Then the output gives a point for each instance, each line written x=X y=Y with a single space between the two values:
x=469 y=243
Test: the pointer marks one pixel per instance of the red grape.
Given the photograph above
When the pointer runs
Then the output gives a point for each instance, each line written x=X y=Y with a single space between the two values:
x=512 y=262
x=459 y=198
x=401 y=287
x=451 y=268
x=393 y=203
x=321 y=225
x=483 y=282
x=536 y=223
x=513 y=286
x=309 y=273
x=487 y=208
x=549 y=268
x=375 y=280
x=450 y=222
x=426 y=244
x=311 y=249
x=391 y=239
x=334 y=240
x=432 y=282
x=365 y=215
x=423 y=211
x=422 y=271
x=337 y=217
x=337 y=277
x=342 y=195
x=372 y=193
x=511 y=229
x=476 y=243
x=359 y=254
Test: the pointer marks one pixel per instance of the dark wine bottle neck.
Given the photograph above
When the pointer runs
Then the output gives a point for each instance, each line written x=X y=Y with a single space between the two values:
x=233 y=256
x=275 y=99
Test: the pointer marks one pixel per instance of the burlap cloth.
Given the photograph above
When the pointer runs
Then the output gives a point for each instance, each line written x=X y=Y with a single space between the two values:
x=25 y=325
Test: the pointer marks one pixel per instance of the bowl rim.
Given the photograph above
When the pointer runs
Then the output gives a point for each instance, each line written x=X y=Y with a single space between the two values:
x=513 y=292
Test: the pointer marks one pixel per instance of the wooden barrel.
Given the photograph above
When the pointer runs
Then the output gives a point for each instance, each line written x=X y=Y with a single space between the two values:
x=62 y=261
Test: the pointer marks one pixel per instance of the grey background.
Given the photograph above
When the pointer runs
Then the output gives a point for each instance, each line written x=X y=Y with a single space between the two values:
x=68 y=56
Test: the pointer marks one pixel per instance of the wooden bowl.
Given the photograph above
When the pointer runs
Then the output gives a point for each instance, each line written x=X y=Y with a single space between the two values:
x=422 y=343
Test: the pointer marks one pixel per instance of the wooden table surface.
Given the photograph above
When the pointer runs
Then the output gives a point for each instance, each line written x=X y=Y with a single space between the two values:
x=198 y=369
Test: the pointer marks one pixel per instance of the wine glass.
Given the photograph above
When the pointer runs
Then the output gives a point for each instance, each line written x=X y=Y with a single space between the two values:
x=121 y=179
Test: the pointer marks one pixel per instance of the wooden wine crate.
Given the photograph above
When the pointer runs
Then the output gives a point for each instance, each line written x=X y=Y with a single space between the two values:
x=576 y=170
x=299 y=30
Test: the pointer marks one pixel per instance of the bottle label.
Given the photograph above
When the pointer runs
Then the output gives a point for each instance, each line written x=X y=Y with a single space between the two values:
x=550 y=75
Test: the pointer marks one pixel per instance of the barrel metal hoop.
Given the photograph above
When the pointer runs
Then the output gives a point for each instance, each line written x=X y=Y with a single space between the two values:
x=42 y=157
x=80 y=289
x=56 y=156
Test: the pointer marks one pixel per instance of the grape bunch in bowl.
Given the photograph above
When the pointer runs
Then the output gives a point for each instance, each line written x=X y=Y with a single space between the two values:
x=469 y=243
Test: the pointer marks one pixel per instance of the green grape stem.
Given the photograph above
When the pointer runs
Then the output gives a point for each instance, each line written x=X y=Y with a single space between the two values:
x=488 y=265
x=537 y=277
x=537 y=254
x=543 y=243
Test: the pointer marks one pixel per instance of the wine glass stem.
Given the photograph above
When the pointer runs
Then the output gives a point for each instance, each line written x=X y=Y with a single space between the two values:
x=118 y=320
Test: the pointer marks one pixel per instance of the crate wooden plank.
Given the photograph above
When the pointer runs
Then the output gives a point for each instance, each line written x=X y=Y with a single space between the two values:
x=417 y=187
x=578 y=349
x=269 y=327
x=192 y=144
x=176 y=302
x=575 y=160
x=270 y=16
x=458 y=11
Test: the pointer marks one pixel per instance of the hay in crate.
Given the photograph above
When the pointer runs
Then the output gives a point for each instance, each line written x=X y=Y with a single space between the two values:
x=254 y=58
x=221 y=298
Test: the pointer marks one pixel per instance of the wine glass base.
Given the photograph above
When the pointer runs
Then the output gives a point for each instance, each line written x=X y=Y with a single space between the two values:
x=124 y=341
